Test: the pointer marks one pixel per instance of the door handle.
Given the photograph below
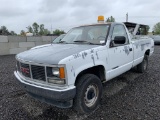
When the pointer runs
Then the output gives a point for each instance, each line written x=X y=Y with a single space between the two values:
x=130 y=49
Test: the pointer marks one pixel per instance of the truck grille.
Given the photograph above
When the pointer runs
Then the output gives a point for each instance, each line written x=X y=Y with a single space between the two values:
x=24 y=68
x=32 y=71
x=38 y=72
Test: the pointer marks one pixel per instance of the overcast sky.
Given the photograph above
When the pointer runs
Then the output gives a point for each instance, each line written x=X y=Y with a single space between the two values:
x=65 y=14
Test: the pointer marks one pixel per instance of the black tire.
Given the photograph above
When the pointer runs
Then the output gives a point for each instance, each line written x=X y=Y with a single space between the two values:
x=143 y=66
x=88 y=94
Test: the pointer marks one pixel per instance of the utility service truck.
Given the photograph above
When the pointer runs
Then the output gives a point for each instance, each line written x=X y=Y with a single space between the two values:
x=73 y=71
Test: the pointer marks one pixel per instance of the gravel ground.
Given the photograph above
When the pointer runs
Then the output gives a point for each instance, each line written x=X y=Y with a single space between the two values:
x=130 y=96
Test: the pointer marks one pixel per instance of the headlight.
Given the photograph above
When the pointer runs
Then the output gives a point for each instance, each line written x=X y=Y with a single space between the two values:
x=56 y=75
x=55 y=72
x=58 y=72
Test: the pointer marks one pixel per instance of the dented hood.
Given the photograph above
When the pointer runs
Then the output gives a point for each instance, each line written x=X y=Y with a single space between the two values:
x=53 y=54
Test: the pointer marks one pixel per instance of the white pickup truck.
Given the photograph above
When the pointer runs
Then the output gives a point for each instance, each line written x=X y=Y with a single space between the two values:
x=72 y=72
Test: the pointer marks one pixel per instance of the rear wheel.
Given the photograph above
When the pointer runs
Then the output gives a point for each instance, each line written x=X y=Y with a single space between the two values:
x=89 y=92
x=143 y=66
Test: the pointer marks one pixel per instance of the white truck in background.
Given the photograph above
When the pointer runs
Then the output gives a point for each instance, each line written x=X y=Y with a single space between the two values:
x=72 y=72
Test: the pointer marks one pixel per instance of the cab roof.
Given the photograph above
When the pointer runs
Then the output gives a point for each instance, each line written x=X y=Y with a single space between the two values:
x=107 y=23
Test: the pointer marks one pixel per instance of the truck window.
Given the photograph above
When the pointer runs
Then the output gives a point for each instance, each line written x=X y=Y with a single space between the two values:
x=94 y=34
x=119 y=30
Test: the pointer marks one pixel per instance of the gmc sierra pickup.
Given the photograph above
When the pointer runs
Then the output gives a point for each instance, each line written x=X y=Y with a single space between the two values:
x=72 y=72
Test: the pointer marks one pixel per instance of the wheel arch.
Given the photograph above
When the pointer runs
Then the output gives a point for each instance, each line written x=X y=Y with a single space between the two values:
x=147 y=52
x=98 y=70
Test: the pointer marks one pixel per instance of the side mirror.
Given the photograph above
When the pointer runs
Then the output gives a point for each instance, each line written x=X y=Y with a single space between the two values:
x=119 y=40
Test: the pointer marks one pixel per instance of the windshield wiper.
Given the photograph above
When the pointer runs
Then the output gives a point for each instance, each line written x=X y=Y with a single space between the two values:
x=83 y=41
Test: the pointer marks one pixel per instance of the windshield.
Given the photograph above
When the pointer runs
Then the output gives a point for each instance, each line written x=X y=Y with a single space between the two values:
x=94 y=34
x=59 y=38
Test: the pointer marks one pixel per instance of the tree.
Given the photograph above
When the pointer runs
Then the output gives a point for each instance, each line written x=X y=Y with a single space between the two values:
x=35 y=28
x=22 y=33
x=147 y=29
x=41 y=32
x=46 y=31
x=110 y=19
x=30 y=29
x=156 y=28
x=13 y=33
x=38 y=29
x=4 y=30
x=58 y=32
x=144 y=30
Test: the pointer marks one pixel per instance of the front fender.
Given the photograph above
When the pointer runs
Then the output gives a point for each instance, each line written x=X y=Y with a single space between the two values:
x=82 y=61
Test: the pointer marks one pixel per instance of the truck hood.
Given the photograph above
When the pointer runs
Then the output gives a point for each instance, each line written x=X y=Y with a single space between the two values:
x=53 y=54
x=40 y=46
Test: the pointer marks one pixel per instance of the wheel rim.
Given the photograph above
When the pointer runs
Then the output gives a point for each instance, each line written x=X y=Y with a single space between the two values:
x=91 y=95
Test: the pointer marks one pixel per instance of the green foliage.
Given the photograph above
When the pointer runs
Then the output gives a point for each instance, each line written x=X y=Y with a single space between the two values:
x=4 y=30
x=58 y=32
x=30 y=29
x=143 y=31
x=22 y=33
x=110 y=19
x=41 y=32
x=148 y=29
x=46 y=31
x=13 y=33
x=35 y=28
x=156 y=28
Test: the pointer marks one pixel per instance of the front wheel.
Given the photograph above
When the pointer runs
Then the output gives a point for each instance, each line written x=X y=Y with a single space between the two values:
x=142 y=67
x=89 y=92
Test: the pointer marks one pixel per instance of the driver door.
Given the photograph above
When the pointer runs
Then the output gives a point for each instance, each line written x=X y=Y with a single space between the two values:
x=120 y=55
